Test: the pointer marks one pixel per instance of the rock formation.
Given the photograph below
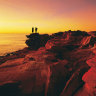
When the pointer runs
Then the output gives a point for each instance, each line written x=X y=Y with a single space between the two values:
x=51 y=65
x=36 y=41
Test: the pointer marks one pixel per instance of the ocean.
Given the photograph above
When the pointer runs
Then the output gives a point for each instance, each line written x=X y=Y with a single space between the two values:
x=11 y=42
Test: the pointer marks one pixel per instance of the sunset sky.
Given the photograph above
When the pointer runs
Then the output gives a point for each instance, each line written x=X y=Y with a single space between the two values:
x=18 y=16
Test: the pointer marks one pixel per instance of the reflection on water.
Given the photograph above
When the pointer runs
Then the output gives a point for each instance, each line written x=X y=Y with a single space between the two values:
x=11 y=42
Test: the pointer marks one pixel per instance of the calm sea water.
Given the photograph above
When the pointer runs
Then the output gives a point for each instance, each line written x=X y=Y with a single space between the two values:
x=11 y=42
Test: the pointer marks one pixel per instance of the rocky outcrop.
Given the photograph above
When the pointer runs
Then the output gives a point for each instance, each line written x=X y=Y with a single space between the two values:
x=33 y=41
x=36 y=40
x=54 y=66
x=69 y=40
x=88 y=42
x=92 y=33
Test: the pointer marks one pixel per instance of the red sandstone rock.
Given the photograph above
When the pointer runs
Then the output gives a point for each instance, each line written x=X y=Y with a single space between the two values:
x=51 y=70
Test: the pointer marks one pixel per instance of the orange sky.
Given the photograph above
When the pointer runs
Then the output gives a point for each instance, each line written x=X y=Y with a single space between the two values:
x=18 y=16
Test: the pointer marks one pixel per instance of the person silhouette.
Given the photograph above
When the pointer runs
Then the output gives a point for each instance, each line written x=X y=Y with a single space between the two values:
x=36 y=29
x=32 y=29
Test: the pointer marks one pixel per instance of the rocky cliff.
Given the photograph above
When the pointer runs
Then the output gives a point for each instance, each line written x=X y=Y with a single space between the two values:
x=52 y=65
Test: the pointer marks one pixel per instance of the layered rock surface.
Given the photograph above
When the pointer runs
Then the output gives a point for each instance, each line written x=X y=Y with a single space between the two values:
x=54 y=67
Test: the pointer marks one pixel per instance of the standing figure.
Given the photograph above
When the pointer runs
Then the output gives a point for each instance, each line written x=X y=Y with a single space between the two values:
x=36 y=29
x=32 y=29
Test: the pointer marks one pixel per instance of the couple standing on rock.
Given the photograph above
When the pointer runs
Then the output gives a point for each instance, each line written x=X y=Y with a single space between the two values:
x=35 y=29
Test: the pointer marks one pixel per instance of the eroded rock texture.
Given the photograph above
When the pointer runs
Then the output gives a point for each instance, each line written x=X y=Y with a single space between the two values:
x=54 y=68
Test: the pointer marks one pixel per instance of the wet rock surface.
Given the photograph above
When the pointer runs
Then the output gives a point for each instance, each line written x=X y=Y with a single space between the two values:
x=51 y=65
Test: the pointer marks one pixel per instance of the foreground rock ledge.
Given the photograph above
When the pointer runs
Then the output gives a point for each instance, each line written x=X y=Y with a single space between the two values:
x=53 y=69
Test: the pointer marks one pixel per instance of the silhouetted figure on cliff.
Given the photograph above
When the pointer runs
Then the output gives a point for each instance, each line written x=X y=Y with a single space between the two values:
x=36 y=29
x=32 y=29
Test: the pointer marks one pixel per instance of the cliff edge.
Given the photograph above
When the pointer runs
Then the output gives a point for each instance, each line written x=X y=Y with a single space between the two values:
x=51 y=65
